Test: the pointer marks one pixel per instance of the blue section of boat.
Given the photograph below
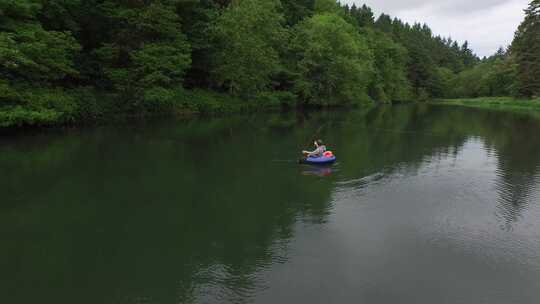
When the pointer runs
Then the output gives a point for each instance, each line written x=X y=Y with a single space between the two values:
x=319 y=160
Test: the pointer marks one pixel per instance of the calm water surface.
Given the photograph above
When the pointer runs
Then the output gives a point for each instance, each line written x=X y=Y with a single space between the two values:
x=426 y=205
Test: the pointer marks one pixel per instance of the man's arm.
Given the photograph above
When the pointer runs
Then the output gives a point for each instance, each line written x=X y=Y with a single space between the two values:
x=317 y=152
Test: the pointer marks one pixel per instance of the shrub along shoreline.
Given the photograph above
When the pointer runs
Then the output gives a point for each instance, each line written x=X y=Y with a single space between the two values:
x=97 y=108
x=94 y=108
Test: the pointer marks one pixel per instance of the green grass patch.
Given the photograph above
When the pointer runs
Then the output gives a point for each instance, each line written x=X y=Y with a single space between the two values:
x=496 y=103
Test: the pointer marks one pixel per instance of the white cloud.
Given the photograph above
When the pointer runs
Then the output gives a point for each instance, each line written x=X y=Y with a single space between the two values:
x=486 y=24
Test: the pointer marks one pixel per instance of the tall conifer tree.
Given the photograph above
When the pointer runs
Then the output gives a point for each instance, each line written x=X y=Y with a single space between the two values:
x=526 y=47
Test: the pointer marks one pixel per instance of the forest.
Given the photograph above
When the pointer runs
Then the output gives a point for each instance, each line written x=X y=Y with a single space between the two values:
x=73 y=61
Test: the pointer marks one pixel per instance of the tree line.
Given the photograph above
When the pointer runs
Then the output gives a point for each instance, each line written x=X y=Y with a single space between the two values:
x=70 y=60
x=514 y=71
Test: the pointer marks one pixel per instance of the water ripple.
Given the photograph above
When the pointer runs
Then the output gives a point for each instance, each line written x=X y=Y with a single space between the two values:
x=515 y=193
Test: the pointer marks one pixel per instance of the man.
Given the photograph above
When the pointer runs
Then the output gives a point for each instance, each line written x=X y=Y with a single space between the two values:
x=320 y=148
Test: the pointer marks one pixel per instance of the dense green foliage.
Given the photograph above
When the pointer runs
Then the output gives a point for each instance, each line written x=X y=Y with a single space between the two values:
x=389 y=82
x=145 y=55
x=249 y=34
x=494 y=76
x=74 y=60
x=33 y=64
x=333 y=61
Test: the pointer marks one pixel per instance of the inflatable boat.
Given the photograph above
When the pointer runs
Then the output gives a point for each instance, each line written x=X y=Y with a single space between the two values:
x=327 y=158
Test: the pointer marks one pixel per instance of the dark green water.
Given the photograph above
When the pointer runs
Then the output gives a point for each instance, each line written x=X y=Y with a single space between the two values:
x=426 y=205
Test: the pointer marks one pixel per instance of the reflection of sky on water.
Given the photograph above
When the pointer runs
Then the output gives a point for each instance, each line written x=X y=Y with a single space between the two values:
x=441 y=219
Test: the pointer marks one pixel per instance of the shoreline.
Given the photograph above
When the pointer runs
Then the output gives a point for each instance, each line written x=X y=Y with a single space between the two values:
x=193 y=104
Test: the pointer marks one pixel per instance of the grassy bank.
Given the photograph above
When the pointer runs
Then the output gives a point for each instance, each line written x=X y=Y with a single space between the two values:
x=495 y=103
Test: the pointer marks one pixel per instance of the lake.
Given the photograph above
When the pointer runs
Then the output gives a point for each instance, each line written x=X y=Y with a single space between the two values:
x=426 y=204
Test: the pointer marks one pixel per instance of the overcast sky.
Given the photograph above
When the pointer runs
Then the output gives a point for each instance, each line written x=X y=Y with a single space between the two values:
x=486 y=24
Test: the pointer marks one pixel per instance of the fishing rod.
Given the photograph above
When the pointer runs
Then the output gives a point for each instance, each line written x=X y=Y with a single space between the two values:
x=314 y=137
